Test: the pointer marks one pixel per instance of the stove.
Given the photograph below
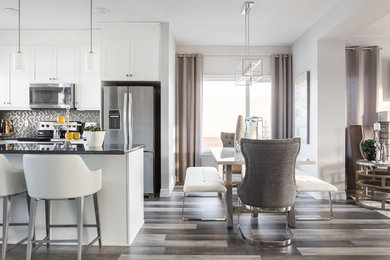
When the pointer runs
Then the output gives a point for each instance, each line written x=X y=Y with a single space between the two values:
x=51 y=129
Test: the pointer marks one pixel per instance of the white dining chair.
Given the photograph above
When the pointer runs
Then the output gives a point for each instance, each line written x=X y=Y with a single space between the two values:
x=12 y=183
x=61 y=177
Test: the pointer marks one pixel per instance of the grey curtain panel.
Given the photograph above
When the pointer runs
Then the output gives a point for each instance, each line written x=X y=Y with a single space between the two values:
x=362 y=70
x=189 y=83
x=282 y=96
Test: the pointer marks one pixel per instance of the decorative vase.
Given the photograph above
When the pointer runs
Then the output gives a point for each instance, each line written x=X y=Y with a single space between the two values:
x=94 y=139
x=370 y=156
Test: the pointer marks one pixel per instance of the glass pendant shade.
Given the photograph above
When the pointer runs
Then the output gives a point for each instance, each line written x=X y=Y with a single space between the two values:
x=249 y=71
x=90 y=61
x=18 y=61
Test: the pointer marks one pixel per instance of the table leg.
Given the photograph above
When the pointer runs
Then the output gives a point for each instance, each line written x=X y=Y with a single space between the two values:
x=229 y=195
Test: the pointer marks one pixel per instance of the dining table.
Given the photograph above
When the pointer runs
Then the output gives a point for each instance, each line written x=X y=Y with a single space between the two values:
x=228 y=157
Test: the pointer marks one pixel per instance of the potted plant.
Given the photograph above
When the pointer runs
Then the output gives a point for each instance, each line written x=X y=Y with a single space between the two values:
x=369 y=149
x=94 y=135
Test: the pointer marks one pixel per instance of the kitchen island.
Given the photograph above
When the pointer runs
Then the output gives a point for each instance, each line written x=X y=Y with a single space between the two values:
x=121 y=204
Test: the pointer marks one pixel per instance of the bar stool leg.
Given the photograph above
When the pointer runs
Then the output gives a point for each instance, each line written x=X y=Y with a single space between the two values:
x=6 y=210
x=96 y=206
x=47 y=220
x=80 y=216
x=31 y=227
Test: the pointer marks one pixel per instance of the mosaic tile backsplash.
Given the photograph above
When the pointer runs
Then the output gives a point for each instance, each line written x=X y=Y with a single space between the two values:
x=26 y=121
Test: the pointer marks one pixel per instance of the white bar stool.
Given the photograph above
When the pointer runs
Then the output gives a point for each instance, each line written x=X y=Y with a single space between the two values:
x=11 y=183
x=61 y=177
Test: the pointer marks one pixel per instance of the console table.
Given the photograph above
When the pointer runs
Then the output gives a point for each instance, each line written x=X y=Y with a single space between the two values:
x=373 y=184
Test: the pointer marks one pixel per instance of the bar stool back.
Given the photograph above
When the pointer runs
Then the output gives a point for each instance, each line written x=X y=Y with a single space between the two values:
x=11 y=183
x=61 y=177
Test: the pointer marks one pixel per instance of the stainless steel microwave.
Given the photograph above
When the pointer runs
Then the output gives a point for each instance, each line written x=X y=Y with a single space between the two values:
x=51 y=95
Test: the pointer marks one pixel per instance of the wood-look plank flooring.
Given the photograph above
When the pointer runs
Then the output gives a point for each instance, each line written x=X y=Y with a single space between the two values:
x=355 y=233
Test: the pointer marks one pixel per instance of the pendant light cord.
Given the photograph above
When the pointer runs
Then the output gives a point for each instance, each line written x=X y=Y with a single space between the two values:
x=19 y=26
x=90 y=27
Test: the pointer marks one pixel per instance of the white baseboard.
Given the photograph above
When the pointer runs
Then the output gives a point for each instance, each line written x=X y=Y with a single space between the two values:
x=168 y=192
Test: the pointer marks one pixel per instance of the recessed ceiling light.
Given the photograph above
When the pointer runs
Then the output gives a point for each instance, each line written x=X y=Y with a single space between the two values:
x=101 y=10
x=11 y=11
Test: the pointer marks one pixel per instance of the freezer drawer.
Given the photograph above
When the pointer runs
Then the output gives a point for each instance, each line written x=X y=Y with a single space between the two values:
x=148 y=172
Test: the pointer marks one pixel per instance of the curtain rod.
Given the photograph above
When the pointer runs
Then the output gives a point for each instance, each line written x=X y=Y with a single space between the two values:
x=363 y=48
x=235 y=55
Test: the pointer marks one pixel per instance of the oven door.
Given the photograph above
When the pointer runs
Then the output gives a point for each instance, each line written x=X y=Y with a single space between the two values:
x=51 y=95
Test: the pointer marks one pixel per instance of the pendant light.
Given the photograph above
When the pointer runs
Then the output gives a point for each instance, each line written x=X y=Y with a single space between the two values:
x=90 y=57
x=250 y=69
x=18 y=57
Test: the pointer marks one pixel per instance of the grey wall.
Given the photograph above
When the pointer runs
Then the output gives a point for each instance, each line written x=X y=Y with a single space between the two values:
x=26 y=121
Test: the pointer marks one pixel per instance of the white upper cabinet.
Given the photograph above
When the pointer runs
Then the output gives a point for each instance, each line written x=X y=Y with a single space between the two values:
x=5 y=96
x=88 y=86
x=136 y=60
x=65 y=57
x=13 y=83
x=145 y=59
x=54 y=63
x=115 y=59
x=19 y=81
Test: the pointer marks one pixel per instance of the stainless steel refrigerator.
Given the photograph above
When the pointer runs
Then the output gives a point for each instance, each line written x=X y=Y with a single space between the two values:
x=139 y=113
x=117 y=115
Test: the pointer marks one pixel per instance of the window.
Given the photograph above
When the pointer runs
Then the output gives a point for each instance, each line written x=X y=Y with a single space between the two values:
x=223 y=102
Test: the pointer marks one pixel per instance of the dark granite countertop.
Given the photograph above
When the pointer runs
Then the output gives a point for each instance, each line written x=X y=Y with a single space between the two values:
x=60 y=148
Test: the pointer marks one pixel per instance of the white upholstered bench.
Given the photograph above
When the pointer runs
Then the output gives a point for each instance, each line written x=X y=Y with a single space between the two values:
x=308 y=183
x=200 y=180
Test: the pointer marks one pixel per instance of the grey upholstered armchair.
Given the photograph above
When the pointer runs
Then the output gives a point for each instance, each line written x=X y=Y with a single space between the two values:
x=269 y=183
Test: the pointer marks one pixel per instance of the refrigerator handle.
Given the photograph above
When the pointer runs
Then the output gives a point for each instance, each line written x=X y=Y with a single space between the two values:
x=125 y=107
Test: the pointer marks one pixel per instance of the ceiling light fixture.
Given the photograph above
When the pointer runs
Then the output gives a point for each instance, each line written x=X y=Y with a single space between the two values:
x=18 y=57
x=90 y=57
x=101 y=10
x=11 y=11
x=250 y=69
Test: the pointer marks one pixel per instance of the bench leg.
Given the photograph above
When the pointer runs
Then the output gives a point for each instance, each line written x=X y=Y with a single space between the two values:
x=198 y=219
x=182 y=209
x=330 y=206
x=321 y=219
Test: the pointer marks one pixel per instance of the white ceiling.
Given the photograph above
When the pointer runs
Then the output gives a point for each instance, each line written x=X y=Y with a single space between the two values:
x=379 y=29
x=194 y=22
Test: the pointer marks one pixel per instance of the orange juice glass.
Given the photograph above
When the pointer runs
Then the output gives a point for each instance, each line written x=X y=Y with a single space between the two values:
x=76 y=136
x=61 y=120
x=69 y=136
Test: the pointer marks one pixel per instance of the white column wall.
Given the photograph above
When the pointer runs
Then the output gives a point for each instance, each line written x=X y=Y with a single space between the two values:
x=167 y=76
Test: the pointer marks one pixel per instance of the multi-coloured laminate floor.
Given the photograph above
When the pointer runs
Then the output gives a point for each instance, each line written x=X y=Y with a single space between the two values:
x=355 y=233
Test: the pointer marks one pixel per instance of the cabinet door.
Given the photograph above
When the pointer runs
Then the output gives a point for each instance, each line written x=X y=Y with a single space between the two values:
x=115 y=63
x=44 y=64
x=19 y=81
x=65 y=64
x=4 y=77
x=145 y=59
x=88 y=89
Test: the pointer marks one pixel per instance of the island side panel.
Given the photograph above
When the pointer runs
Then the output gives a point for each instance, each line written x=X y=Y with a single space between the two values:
x=112 y=197
x=135 y=166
